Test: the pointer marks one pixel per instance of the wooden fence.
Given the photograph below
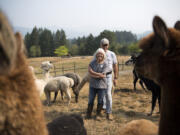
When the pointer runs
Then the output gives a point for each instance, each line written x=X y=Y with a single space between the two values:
x=75 y=68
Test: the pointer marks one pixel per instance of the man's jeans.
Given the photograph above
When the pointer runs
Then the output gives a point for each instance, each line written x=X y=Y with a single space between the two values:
x=107 y=100
x=92 y=95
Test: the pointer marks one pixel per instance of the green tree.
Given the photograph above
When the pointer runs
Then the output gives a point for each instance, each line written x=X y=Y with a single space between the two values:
x=125 y=37
x=46 y=43
x=109 y=35
x=61 y=51
x=133 y=48
x=57 y=39
x=35 y=51
x=27 y=39
x=89 y=46
x=62 y=38
x=34 y=38
x=73 y=50
x=123 y=50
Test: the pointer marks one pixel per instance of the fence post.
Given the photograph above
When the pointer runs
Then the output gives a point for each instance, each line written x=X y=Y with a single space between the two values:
x=74 y=67
x=122 y=65
x=55 y=71
x=62 y=69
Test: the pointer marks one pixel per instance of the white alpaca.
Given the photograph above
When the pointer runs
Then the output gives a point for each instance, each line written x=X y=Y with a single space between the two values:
x=61 y=83
x=40 y=83
x=46 y=66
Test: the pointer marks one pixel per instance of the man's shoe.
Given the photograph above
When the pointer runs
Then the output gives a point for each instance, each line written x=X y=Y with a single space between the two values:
x=109 y=116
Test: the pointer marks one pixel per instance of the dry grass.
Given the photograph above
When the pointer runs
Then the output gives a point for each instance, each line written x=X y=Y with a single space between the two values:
x=127 y=104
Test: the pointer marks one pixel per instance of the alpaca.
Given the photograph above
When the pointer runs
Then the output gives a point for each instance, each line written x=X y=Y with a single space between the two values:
x=139 y=127
x=21 y=111
x=67 y=125
x=156 y=92
x=46 y=66
x=62 y=83
x=76 y=78
x=160 y=61
x=150 y=85
x=86 y=79
x=131 y=61
x=40 y=83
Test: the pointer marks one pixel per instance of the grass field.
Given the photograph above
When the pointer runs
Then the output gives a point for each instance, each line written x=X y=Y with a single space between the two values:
x=127 y=104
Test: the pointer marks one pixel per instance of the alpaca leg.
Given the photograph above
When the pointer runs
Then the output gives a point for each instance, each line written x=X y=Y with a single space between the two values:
x=159 y=99
x=76 y=94
x=68 y=94
x=141 y=83
x=62 y=95
x=55 y=95
x=135 y=79
x=154 y=98
x=48 y=97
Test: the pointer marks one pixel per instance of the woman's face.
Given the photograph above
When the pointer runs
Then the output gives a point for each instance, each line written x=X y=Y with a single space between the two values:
x=99 y=57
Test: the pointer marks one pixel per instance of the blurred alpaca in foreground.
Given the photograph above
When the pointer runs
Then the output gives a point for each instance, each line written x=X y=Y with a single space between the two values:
x=20 y=106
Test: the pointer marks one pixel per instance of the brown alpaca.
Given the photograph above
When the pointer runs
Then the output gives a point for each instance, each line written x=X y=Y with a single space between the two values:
x=160 y=61
x=139 y=127
x=20 y=106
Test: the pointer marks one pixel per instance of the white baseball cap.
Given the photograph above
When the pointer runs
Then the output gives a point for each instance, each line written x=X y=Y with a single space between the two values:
x=104 y=41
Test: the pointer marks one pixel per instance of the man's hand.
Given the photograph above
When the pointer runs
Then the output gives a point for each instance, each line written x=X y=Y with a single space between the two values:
x=115 y=82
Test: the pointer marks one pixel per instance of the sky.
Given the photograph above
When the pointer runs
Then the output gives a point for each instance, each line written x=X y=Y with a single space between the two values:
x=90 y=16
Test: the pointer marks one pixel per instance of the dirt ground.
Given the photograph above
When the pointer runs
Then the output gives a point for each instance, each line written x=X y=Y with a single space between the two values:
x=127 y=105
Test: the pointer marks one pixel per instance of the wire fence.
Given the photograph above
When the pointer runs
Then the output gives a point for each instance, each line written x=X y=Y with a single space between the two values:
x=76 y=68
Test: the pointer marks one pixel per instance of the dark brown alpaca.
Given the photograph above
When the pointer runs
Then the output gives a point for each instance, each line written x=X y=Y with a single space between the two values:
x=160 y=61
x=20 y=106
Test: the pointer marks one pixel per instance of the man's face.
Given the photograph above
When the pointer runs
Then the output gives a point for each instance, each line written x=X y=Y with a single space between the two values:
x=105 y=47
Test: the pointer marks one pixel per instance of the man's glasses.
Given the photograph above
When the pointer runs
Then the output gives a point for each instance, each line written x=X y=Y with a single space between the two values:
x=99 y=56
x=105 y=45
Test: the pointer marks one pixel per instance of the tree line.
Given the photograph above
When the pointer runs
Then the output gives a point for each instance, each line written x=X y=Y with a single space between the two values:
x=43 y=42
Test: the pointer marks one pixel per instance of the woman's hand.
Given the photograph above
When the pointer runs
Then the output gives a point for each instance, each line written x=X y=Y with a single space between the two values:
x=102 y=75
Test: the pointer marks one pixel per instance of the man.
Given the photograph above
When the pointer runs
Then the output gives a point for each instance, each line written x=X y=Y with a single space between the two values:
x=112 y=63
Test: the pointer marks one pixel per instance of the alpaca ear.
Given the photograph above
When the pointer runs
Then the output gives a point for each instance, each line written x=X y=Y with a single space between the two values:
x=8 y=48
x=20 y=43
x=177 y=25
x=161 y=30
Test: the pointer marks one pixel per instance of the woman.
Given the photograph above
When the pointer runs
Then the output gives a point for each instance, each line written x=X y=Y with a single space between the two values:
x=98 y=69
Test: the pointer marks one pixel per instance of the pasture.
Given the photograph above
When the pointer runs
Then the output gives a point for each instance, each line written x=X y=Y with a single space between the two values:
x=127 y=104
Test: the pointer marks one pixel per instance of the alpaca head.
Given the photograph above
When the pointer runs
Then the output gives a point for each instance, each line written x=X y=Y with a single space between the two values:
x=46 y=66
x=160 y=52
x=21 y=109
x=11 y=48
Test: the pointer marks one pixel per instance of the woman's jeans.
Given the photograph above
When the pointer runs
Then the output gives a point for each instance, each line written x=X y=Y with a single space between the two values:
x=92 y=95
x=107 y=100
